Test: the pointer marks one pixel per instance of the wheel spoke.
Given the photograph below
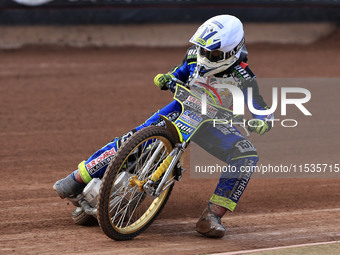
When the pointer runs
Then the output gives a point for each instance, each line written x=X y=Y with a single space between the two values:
x=120 y=202
x=135 y=207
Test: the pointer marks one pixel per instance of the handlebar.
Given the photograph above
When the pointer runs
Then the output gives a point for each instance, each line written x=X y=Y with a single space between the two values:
x=172 y=84
x=178 y=81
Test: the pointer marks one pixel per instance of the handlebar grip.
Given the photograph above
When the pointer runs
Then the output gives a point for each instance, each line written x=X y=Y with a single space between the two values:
x=177 y=81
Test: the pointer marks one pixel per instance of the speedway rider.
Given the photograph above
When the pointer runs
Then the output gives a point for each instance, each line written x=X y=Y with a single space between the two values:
x=218 y=51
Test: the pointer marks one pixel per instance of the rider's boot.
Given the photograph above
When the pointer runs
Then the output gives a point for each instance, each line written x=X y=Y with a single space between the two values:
x=70 y=186
x=209 y=223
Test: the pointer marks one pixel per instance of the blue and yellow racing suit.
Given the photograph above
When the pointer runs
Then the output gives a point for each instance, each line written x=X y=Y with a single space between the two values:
x=223 y=141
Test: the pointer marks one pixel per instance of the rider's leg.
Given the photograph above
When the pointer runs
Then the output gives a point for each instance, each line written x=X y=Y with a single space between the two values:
x=227 y=144
x=95 y=166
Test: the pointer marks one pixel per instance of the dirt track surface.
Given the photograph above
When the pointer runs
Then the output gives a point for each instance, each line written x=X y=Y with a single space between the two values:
x=59 y=105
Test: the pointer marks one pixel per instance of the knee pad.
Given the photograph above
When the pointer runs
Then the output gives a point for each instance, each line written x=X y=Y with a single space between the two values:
x=243 y=149
x=243 y=158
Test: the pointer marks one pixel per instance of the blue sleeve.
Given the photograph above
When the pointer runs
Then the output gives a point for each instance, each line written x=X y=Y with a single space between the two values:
x=187 y=67
x=181 y=72
x=257 y=99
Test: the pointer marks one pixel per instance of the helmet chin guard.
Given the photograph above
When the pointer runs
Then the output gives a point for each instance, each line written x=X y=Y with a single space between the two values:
x=206 y=68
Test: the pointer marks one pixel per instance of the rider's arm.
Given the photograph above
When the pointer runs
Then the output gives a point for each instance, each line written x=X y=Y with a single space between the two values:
x=182 y=71
x=257 y=99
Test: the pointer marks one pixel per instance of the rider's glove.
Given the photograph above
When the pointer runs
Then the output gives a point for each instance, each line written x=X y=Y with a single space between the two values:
x=259 y=126
x=161 y=81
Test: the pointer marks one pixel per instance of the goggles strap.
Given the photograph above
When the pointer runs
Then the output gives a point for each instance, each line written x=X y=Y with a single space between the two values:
x=235 y=50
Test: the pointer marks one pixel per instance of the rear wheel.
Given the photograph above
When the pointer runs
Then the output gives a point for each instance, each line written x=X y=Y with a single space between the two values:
x=125 y=210
x=81 y=218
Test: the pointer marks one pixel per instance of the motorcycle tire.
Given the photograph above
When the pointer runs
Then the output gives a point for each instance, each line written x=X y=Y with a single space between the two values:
x=79 y=217
x=125 y=211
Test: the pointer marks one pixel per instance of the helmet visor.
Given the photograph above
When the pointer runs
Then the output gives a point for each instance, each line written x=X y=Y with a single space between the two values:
x=213 y=56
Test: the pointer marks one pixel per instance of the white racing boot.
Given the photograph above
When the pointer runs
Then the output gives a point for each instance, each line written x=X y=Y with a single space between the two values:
x=209 y=223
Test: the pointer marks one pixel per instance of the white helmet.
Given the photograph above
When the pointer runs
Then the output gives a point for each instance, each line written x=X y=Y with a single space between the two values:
x=219 y=40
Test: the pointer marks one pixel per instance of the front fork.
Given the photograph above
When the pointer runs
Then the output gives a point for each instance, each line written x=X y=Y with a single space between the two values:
x=165 y=168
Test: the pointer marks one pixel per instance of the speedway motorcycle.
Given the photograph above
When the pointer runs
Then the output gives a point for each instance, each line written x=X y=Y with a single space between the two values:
x=138 y=182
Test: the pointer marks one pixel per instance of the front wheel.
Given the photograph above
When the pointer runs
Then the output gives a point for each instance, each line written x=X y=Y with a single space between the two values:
x=125 y=210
